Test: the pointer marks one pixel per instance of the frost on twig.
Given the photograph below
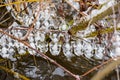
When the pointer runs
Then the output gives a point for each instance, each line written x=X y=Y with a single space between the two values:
x=94 y=16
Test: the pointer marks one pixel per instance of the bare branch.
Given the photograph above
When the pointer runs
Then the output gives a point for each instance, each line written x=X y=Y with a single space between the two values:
x=107 y=69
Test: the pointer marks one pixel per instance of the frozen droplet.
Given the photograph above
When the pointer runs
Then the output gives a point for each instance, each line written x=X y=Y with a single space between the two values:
x=20 y=34
x=88 y=48
x=77 y=48
x=5 y=55
x=117 y=51
x=111 y=54
x=46 y=24
x=67 y=50
x=88 y=55
x=21 y=44
x=10 y=44
x=76 y=5
x=58 y=71
x=99 y=53
x=64 y=27
x=32 y=45
x=16 y=44
x=99 y=56
x=55 y=37
x=43 y=46
x=32 y=52
x=117 y=38
x=94 y=13
x=21 y=51
x=8 y=8
x=37 y=25
x=4 y=50
x=11 y=50
x=66 y=38
x=31 y=39
x=55 y=48
x=37 y=37
x=42 y=37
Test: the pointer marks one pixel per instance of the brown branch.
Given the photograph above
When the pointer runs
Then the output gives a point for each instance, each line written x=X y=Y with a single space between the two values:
x=106 y=69
x=41 y=54
x=96 y=67
x=32 y=26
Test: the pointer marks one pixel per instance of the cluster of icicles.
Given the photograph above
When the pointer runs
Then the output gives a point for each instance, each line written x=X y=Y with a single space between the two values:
x=56 y=46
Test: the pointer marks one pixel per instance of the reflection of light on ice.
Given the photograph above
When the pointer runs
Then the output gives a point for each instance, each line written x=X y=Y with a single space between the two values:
x=99 y=53
x=55 y=48
x=88 y=50
x=32 y=72
x=77 y=45
x=67 y=50
x=58 y=71
x=115 y=46
x=43 y=46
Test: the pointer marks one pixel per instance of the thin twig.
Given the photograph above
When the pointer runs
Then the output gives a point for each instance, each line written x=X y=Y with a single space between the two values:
x=5 y=20
x=96 y=67
x=71 y=5
x=107 y=69
x=32 y=26
x=83 y=14
x=3 y=15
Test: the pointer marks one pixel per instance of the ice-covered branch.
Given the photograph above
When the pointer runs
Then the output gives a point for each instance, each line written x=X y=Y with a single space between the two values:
x=95 y=16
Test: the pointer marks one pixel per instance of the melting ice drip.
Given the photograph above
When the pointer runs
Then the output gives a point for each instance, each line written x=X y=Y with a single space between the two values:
x=67 y=48
x=54 y=45
x=115 y=46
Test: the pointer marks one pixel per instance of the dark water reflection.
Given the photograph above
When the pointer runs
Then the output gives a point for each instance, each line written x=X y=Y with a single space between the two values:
x=36 y=68
x=42 y=70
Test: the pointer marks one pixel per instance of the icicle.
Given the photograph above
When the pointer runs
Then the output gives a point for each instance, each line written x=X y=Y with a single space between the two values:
x=43 y=46
x=55 y=37
x=67 y=50
x=4 y=52
x=116 y=49
x=88 y=50
x=116 y=46
x=37 y=25
x=77 y=45
x=55 y=48
x=99 y=53
x=42 y=36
